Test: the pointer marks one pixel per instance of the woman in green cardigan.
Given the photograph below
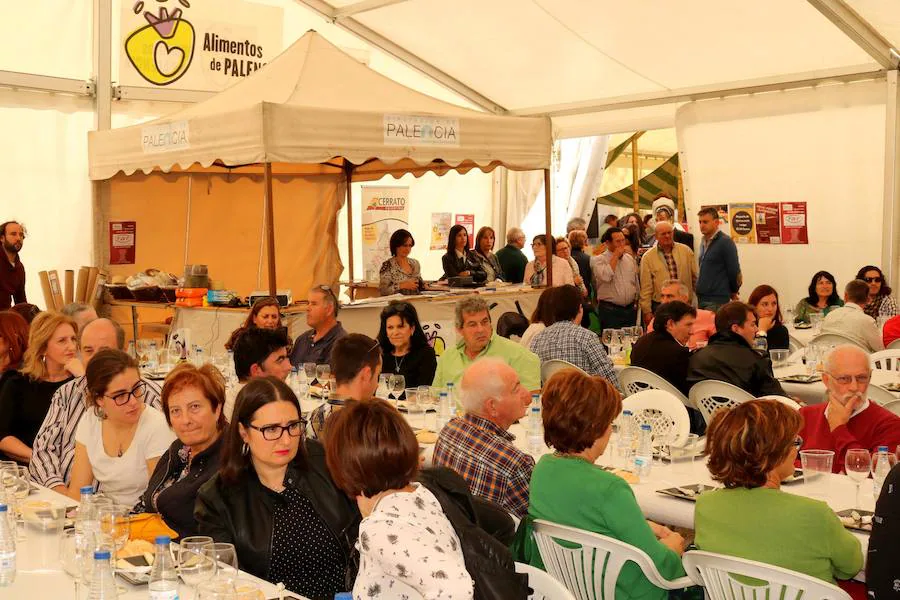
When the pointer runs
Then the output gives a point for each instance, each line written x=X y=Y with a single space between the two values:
x=752 y=448
x=568 y=489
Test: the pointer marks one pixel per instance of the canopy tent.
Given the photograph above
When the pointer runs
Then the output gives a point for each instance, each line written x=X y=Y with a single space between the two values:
x=662 y=180
x=314 y=111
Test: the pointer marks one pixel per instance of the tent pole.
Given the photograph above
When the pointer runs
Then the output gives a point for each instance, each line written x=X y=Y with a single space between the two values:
x=635 y=176
x=548 y=218
x=348 y=171
x=270 y=230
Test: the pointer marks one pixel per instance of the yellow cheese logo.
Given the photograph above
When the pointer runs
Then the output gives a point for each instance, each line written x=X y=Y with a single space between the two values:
x=162 y=50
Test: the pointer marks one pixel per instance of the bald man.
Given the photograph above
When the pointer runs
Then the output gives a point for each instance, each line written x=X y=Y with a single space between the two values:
x=478 y=444
x=54 y=447
x=666 y=261
x=848 y=419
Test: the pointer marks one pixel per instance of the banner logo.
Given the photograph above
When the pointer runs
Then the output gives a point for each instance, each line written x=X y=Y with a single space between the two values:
x=162 y=50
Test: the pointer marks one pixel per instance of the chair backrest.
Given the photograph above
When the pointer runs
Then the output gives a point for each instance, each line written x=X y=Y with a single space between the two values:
x=893 y=406
x=885 y=360
x=784 y=400
x=662 y=411
x=834 y=339
x=543 y=586
x=715 y=572
x=591 y=568
x=710 y=395
x=895 y=345
x=548 y=368
x=879 y=395
x=794 y=344
x=638 y=379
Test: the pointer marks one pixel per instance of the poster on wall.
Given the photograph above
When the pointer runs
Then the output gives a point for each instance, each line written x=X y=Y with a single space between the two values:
x=742 y=222
x=122 y=242
x=385 y=209
x=794 y=227
x=768 y=223
x=196 y=44
x=440 y=230
x=468 y=221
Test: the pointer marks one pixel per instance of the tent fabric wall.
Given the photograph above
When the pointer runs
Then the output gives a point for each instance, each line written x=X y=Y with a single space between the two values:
x=224 y=228
x=824 y=146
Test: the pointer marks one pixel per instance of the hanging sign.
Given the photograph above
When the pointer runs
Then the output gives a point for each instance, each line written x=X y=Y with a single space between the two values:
x=768 y=223
x=468 y=221
x=742 y=223
x=414 y=130
x=122 y=242
x=440 y=230
x=384 y=211
x=794 y=227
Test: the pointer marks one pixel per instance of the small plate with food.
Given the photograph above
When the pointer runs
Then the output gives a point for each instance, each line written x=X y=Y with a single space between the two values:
x=856 y=519
x=686 y=492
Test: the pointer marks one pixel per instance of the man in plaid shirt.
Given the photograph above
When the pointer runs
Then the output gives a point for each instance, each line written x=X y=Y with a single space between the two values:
x=478 y=444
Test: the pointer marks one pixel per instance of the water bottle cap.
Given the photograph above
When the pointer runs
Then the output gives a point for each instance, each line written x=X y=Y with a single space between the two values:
x=444 y=394
x=645 y=427
x=450 y=386
x=3 y=508
x=343 y=596
x=626 y=412
x=535 y=409
x=163 y=539
x=882 y=448
x=101 y=555
x=535 y=396
x=88 y=489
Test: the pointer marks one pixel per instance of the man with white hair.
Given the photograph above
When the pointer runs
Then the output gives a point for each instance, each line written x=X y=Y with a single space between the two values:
x=479 y=446
x=848 y=419
x=512 y=259
x=705 y=322
x=664 y=210
x=666 y=261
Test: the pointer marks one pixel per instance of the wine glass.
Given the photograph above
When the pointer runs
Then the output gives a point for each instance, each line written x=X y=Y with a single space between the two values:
x=194 y=566
x=310 y=370
x=115 y=527
x=397 y=384
x=14 y=482
x=225 y=557
x=606 y=337
x=322 y=373
x=424 y=396
x=858 y=464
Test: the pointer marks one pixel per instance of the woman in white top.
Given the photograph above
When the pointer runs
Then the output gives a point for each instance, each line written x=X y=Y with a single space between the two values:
x=407 y=546
x=119 y=441
x=536 y=270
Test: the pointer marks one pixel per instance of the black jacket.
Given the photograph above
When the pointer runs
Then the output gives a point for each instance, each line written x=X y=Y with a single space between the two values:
x=683 y=237
x=660 y=353
x=175 y=504
x=242 y=514
x=584 y=269
x=454 y=265
x=884 y=542
x=728 y=357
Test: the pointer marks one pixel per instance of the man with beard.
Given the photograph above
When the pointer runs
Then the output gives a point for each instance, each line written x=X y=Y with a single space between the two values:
x=12 y=272
x=848 y=419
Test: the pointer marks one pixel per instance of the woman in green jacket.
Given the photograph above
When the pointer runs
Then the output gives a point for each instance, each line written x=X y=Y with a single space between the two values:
x=568 y=489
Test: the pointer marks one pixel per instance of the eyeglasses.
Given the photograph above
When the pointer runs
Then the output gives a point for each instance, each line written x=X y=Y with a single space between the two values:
x=873 y=279
x=122 y=398
x=327 y=289
x=845 y=379
x=274 y=432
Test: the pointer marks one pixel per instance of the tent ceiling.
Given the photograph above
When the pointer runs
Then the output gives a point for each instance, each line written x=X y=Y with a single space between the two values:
x=570 y=51
x=883 y=16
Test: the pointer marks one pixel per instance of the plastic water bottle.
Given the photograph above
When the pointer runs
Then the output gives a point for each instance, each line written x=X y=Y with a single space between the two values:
x=163 y=576
x=199 y=357
x=445 y=411
x=535 y=430
x=7 y=550
x=881 y=466
x=761 y=344
x=86 y=519
x=153 y=358
x=103 y=584
x=643 y=458
x=451 y=393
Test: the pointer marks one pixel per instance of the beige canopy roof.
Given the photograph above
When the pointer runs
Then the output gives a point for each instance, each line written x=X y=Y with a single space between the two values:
x=314 y=103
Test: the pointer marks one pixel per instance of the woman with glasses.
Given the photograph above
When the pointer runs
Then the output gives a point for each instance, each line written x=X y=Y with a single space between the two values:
x=564 y=251
x=265 y=314
x=119 y=439
x=192 y=403
x=752 y=448
x=48 y=362
x=536 y=270
x=400 y=273
x=459 y=261
x=274 y=499
x=822 y=298
x=404 y=348
x=484 y=252
x=881 y=303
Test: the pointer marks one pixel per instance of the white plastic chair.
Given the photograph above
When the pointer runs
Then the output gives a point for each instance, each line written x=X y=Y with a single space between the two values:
x=715 y=572
x=590 y=570
x=895 y=345
x=879 y=395
x=638 y=379
x=893 y=406
x=711 y=395
x=543 y=586
x=834 y=339
x=885 y=360
x=548 y=368
x=662 y=411
x=783 y=399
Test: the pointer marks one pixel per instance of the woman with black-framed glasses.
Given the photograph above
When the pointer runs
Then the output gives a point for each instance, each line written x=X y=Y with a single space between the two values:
x=119 y=439
x=881 y=303
x=404 y=347
x=274 y=499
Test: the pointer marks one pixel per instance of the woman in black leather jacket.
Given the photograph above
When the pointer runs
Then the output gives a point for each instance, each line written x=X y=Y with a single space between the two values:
x=274 y=499
x=459 y=261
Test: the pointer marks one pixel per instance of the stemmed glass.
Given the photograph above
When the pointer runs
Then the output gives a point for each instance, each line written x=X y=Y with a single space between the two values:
x=322 y=373
x=115 y=527
x=858 y=464
x=225 y=558
x=310 y=370
x=14 y=482
x=397 y=383
x=606 y=337
x=193 y=566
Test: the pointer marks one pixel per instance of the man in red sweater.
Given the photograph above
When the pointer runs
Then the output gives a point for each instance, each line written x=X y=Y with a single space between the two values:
x=848 y=419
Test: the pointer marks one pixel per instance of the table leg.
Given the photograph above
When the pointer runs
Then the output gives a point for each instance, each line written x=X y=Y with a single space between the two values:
x=134 y=326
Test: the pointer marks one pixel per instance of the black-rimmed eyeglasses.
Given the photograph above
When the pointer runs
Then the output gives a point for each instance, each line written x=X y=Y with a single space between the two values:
x=274 y=432
x=122 y=398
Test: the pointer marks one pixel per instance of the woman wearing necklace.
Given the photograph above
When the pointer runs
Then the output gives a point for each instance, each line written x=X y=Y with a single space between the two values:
x=404 y=348
x=400 y=273
x=119 y=439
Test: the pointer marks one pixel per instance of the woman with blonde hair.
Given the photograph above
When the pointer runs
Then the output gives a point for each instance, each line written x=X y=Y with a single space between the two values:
x=25 y=394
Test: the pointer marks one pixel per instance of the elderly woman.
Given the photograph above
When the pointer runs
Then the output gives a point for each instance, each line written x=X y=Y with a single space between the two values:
x=192 y=401
x=752 y=448
x=881 y=303
x=119 y=439
x=13 y=340
x=407 y=546
x=578 y=411
x=400 y=273
x=822 y=298
x=484 y=252
x=536 y=270
x=764 y=300
x=404 y=347
x=48 y=363
x=265 y=314
x=273 y=497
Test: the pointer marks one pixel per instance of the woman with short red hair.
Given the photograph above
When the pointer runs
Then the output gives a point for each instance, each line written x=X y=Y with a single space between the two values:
x=13 y=340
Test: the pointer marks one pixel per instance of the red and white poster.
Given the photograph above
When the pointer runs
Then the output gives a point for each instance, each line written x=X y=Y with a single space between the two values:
x=122 y=242
x=768 y=223
x=794 y=227
x=467 y=221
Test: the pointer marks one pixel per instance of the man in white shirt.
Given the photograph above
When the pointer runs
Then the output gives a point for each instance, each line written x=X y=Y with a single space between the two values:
x=851 y=322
